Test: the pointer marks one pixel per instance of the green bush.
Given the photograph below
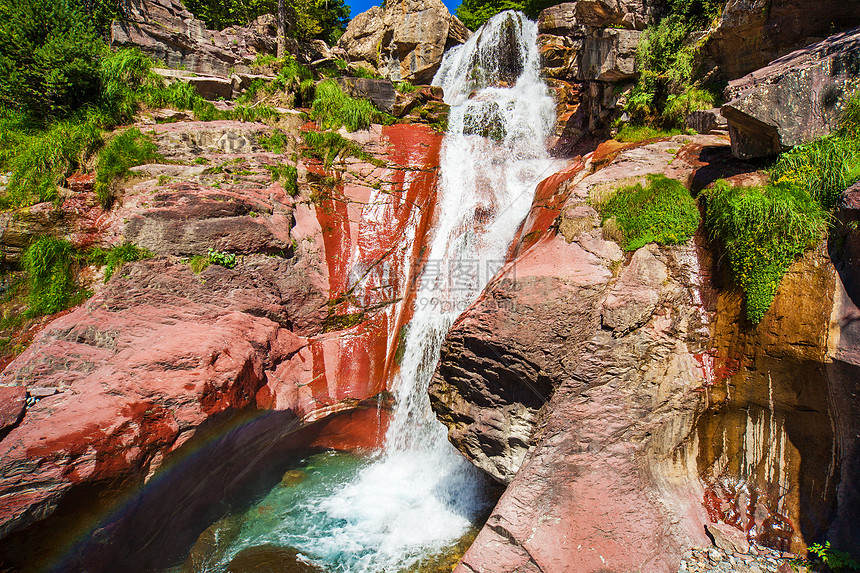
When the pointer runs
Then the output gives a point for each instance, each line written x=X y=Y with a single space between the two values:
x=50 y=266
x=122 y=152
x=113 y=258
x=332 y=108
x=278 y=142
x=836 y=561
x=763 y=230
x=662 y=212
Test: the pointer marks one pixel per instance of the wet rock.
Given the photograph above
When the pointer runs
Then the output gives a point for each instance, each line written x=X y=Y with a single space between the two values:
x=793 y=99
x=405 y=39
x=270 y=559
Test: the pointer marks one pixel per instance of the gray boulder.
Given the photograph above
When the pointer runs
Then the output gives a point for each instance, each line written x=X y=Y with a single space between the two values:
x=794 y=99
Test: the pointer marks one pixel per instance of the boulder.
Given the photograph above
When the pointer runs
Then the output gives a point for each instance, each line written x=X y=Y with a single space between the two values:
x=706 y=121
x=209 y=87
x=794 y=99
x=165 y=30
x=380 y=92
x=562 y=19
x=13 y=400
x=751 y=33
x=404 y=40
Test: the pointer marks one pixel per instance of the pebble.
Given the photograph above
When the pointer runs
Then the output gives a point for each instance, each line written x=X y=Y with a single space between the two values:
x=707 y=559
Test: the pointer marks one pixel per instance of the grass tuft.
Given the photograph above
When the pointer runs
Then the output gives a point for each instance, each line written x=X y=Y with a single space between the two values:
x=661 y=212
x=124 y=151
x=113 y=258
x=328 y=146
x=50 y=266
x=332 y=109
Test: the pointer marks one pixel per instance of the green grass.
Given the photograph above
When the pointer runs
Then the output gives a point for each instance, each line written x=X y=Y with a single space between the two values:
x=332 y=109
x=50 y=266
x=122 y=152
x=113 y=258
x=278 y=142
x=288 y=175
x=630 y=133
x=763 y=230
x=661 y=212
x=198 y=263
x=405 y=87
x=328 y=146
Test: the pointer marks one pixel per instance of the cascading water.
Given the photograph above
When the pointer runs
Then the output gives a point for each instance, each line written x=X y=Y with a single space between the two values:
x=418 y=495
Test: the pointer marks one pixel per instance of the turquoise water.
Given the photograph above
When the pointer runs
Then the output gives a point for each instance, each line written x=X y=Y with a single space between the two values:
x=302 y=525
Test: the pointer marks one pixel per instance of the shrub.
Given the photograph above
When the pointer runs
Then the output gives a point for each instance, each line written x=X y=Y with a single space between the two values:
x=113 y=259
x=662 y=212
x=833 y=559
x=763 y=230
x=332 y=108
x=124 y=151
x=822 y=168
x=50 y=266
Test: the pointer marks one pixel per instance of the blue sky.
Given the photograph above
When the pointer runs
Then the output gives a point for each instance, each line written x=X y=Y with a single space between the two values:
x=359 y=6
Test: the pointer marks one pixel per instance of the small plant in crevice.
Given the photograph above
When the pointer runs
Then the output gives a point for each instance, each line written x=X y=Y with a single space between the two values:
x=277 y=142
x=50 y=264
x=835 y=560
x=328 y=146
x=663 y=212
x=126 y=150
x=113 y=258
x=227 y=260
x=288 y=175
x=198 y=263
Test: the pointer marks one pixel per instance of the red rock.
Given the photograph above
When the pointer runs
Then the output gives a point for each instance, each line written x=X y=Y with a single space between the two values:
x=81 y=182
x=12 y=402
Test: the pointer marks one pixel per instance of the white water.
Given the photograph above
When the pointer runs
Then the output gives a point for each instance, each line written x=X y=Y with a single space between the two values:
x=419 y=496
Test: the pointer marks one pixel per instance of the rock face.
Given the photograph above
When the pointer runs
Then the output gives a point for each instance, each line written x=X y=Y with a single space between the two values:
x=626 y=404
x=161 y=359
x=794 y=99
x=166 y=31
x=588 y=54
x=404 y=40
x=751 y=33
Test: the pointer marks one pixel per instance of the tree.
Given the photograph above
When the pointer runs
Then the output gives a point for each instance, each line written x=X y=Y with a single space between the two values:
x=474 y=13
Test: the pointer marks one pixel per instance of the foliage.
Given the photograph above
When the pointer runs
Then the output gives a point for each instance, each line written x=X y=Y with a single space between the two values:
x=288 y=175
x=327 y=146
x=332 y=108
x=306 y=19
x=50 y=266
x=666 y=91
x=198 y=263
x=227 y=260
x=113 y=258
x=39 y=159
x=833 y=559
x=278 y=142
x=822 y=168
x=122 y=152
x=405 y=87
x=662 y=212
x=763 y=230
x=632 y=132
x=474 y=13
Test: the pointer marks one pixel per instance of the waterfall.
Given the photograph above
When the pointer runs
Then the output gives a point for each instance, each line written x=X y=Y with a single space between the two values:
x=418 y=495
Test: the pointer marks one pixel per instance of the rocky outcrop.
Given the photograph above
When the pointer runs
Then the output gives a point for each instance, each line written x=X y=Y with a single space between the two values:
x=127 y=386
x=588 y=54
x=166 y=31
x=794 y=99
x=405 y=39
x=751 y=33
x=628 y=406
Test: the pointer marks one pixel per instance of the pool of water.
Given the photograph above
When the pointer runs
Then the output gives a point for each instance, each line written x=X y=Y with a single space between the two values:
x=320 y=518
